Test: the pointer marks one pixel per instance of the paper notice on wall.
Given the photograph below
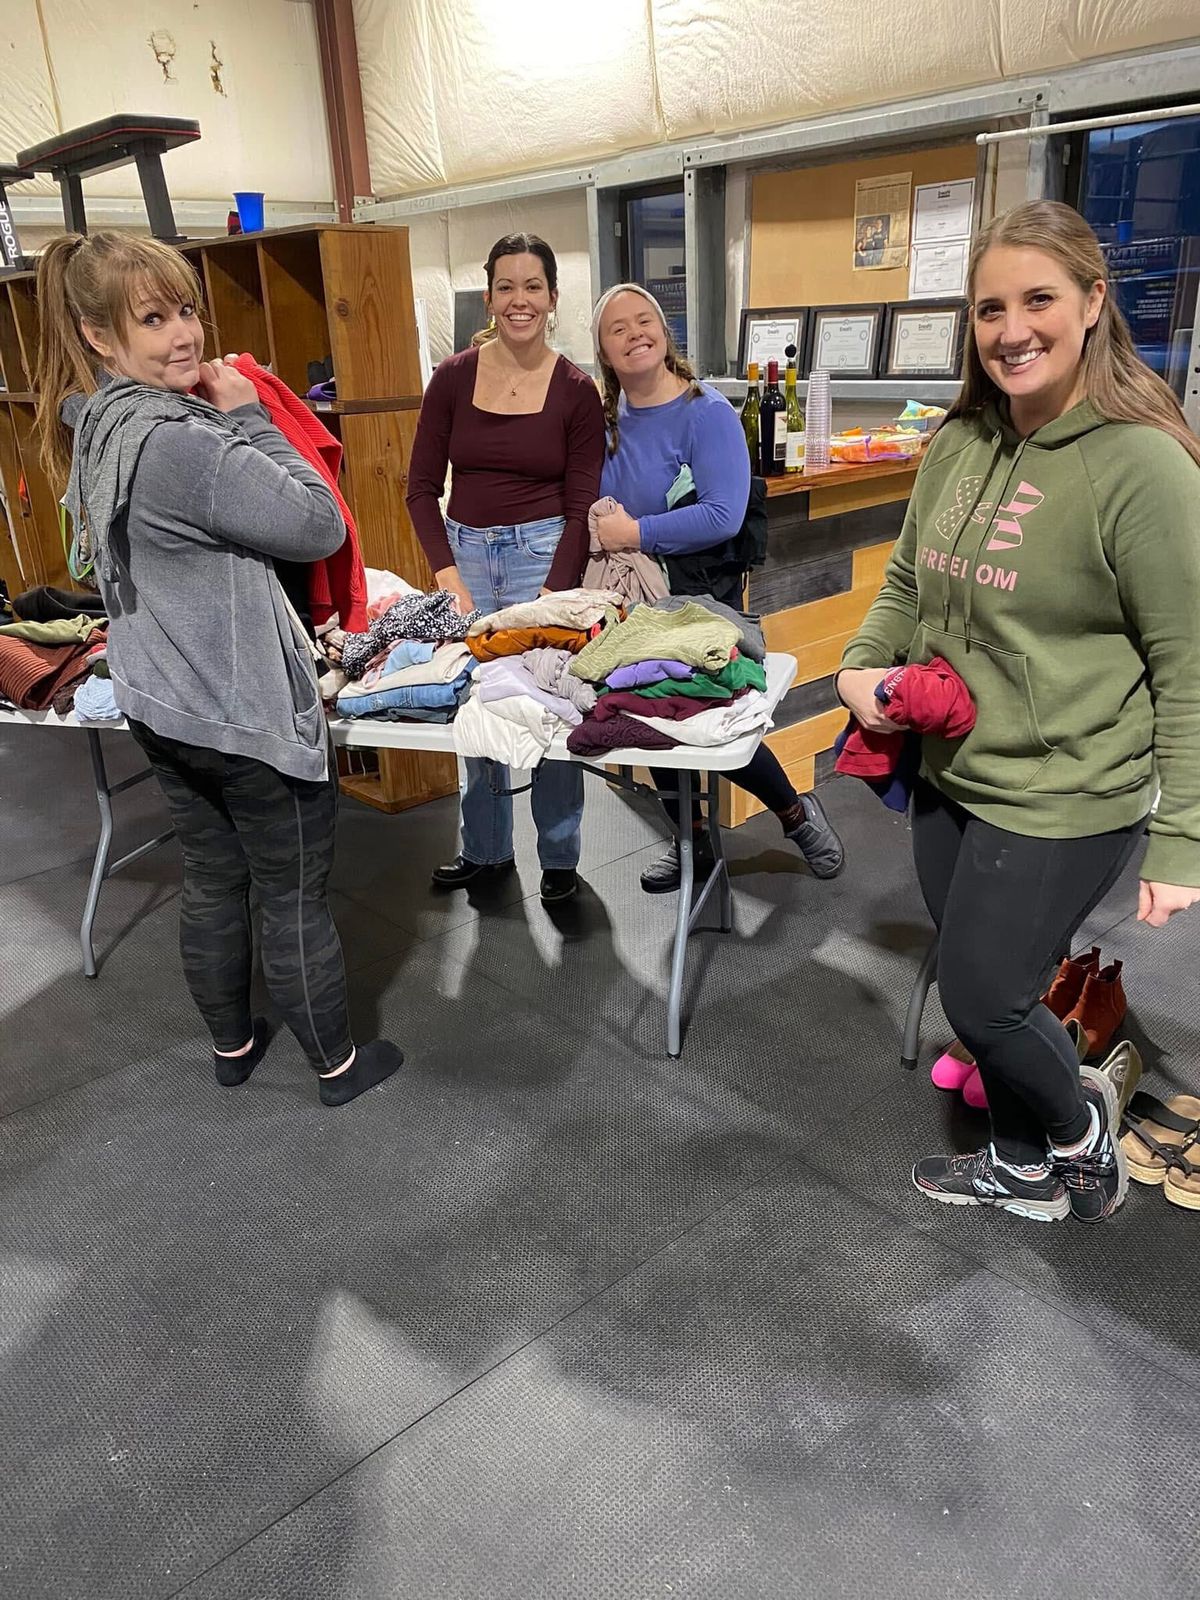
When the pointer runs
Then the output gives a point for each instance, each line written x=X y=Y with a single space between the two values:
x=938 y=270
x=942 y=211
x=941 y=239
x=881 y=207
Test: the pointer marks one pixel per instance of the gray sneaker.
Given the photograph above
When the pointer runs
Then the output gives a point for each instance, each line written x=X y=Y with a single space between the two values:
x=811 y=831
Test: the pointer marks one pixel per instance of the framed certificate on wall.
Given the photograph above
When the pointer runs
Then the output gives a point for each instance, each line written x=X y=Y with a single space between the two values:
x=924 y=339
x=766 y=333
x=844 y=340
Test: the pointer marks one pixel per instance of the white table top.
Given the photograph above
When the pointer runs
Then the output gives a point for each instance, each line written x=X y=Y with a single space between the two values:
x=373 y=734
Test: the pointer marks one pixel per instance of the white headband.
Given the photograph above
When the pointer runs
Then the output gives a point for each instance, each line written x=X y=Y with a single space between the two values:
x=620 y=288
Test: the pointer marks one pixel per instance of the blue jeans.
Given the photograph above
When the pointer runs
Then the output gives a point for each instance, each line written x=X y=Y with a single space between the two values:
x=502 y=567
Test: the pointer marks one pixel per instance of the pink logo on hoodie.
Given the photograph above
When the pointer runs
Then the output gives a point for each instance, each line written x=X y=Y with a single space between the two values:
x=1007 y=533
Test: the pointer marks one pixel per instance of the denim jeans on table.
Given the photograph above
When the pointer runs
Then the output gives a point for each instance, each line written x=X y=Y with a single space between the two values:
x=503 y=567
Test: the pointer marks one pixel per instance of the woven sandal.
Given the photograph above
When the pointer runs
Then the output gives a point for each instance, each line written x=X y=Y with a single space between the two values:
x=1182 y=1186
x=1156 y=1132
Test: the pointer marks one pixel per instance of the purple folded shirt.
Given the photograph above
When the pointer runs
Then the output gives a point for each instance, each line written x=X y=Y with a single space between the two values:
x=644 y=672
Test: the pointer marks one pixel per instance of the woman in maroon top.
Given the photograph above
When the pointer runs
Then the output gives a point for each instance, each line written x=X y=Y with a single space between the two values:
x=523 y=430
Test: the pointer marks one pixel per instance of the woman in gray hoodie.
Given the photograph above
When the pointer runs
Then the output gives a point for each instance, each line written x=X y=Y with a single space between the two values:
x=183 y=495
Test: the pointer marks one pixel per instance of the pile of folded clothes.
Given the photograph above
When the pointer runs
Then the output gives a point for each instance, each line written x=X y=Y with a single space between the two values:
x=683 y=671
x=412 y=664
x=51 y=649
x=524 y=691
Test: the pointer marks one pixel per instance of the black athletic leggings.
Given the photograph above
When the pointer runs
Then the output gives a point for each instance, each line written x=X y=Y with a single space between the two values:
x=240 y=822
x=1007 y=907
x=762 y=776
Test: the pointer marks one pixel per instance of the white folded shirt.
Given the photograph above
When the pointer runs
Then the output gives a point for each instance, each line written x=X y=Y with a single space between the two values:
x=719 y=724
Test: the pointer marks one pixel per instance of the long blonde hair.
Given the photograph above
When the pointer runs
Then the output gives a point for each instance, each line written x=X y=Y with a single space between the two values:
x=95 y=280
x=610 y=384
x=1115 y=378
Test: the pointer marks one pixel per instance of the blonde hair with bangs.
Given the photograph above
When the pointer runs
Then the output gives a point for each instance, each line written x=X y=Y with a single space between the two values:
x=93 y=280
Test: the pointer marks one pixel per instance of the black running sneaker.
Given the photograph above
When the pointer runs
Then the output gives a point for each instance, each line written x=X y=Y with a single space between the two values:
x=807 y=826
x=1097 y=1181
x=977 y=1180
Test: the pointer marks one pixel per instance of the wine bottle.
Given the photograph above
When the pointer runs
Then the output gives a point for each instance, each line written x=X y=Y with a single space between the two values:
x=794 y=446
x=772 y=424
x=750 y=414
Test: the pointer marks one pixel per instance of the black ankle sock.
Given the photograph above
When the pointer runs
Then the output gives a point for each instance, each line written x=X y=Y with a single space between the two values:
x=232 y=1070
x=371 y=1065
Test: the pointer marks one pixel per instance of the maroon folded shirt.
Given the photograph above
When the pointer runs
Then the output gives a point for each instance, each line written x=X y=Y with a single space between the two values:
x=595 y=736
x=673 y=706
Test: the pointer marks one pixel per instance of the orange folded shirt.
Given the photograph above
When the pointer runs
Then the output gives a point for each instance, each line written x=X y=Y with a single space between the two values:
x=515 y=641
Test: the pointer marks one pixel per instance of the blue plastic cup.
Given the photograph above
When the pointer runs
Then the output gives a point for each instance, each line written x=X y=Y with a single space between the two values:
x=250 y=211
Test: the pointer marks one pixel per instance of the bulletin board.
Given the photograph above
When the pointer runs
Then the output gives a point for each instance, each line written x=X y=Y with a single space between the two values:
x=802 y=228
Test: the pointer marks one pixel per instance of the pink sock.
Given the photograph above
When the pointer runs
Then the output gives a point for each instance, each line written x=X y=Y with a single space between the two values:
x=951 y=1073
x=974 y=1093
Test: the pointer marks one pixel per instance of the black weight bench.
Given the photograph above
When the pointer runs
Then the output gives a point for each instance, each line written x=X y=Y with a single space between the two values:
x=114 y=142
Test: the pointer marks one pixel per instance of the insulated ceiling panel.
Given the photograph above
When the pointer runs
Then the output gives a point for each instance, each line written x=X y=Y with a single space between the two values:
x=249 y=74
x=539 y=84
x=429 y=254
x=716 y=74
x=26 y=93
x=398 y=95
x=1041 y=34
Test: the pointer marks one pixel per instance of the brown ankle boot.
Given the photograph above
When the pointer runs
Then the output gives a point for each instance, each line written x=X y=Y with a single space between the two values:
x=1100 y=1009
x=1063 y=994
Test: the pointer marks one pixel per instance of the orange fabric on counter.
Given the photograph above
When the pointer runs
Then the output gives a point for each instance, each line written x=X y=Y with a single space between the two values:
x=515 y=642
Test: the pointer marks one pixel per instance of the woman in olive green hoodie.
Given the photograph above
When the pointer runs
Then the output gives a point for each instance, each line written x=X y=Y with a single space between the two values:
x=1051 y=554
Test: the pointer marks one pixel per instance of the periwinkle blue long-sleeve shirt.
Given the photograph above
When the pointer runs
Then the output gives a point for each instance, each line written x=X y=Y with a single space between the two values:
x=704 y=433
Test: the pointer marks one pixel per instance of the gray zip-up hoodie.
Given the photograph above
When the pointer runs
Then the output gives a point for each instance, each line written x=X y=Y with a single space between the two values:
x=185 y=508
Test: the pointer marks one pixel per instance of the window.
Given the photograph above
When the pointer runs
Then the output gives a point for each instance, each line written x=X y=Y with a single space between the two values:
x=653 y=251
x=1140 y=191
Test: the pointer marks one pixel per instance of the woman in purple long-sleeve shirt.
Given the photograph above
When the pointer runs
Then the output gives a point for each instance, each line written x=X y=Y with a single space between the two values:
x=659 y=419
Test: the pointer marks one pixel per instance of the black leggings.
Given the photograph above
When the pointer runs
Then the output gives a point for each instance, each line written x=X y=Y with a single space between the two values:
x=1007 y=907
x=241 y=822
x=762 y=776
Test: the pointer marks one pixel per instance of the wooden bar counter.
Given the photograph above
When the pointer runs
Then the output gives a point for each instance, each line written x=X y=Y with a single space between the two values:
x=831 y=532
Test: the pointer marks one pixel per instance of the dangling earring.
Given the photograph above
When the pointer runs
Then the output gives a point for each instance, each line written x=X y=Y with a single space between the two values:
x=552 y=322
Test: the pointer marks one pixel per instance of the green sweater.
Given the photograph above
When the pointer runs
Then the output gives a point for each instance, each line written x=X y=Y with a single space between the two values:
x=1059 y=575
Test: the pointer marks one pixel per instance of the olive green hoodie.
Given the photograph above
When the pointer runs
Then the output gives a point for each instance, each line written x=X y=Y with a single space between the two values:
x=1059 y=575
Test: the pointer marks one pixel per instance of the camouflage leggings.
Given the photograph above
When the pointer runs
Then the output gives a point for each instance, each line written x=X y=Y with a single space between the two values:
x=240 y=822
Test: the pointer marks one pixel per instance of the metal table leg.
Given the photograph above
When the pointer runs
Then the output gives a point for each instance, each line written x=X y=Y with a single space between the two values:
x=718 y=850
x=101 y=869
x=686 y=914
x=683 y=913
x=916 y=1006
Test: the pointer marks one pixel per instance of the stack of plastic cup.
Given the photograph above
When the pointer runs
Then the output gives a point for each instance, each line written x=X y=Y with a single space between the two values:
x=817 y=421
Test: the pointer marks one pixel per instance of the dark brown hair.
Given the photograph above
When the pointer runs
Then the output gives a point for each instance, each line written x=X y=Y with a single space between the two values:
x=517 y=244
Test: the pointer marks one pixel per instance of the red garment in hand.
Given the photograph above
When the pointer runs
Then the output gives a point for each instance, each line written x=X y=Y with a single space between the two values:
x=926 y=699
x=339 y=582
